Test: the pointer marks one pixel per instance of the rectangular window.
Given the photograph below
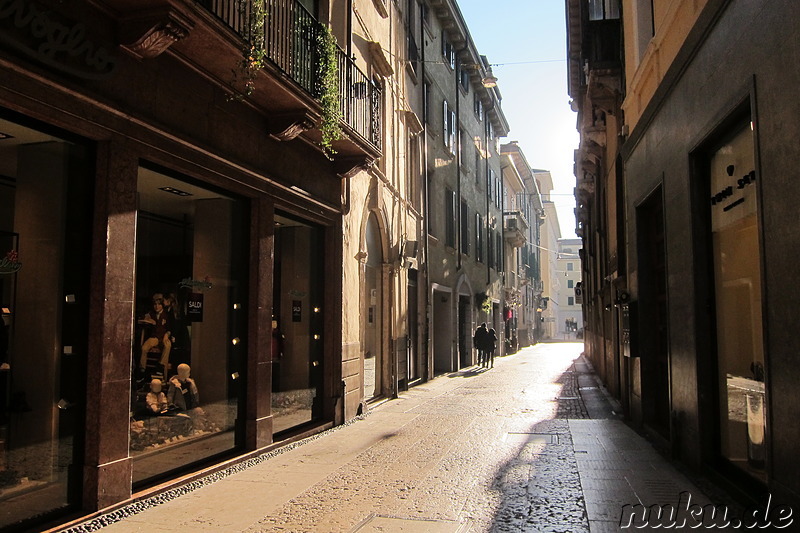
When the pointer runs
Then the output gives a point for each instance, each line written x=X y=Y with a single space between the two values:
x=478 y=237
x=498 y=237
x=490 y=249
x=603 y=9
x=478 y=166
x=464 y=225
x=477 y=106
x=570 y=300
x=570 y=267
x=462 y=147
x=448 y=51
x=449 y=127
x=450 y=218
x=445 y=123
x=570 y=283
x=463 y=78
x=183 y=332
x=426 y=101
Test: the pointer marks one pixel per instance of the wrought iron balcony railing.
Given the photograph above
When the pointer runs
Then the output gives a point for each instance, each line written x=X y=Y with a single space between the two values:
x=292 y=40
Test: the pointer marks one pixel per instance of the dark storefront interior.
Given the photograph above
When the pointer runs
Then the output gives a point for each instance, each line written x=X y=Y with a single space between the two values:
x=45 y=236
x=191 y=277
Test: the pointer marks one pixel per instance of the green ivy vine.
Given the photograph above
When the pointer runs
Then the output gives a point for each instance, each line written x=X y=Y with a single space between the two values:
x=484 y=302
x=254 y=59
x=254 y=53
x=329 y=91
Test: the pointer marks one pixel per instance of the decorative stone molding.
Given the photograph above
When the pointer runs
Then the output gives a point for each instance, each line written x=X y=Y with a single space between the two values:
x=380 y=7
x=288 y=126
x=379 y=61
x=347 y=167
x=148 y=35
x=604 y=89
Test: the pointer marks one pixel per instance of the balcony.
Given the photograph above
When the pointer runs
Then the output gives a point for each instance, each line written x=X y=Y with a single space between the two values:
x=210 y=36
x=515 y=228
x=291 y=37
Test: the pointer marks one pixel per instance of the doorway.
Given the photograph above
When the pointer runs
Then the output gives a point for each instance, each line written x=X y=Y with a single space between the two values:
x=655 y=363
x=441 y=332
x=736 y=259
x=372 y=322
x=464 y=330
x=297 y=303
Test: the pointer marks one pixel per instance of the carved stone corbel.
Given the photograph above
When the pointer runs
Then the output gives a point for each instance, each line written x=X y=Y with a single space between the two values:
x=347 y=167
x=147 y=35
x=288 y=126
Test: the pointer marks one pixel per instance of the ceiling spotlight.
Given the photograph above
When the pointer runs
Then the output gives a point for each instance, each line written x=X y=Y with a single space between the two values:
x=173 y=190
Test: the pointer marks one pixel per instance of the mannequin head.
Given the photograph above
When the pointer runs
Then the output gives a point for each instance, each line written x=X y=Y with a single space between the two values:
x=183 y=371
x=158 y=302
x=155 y=385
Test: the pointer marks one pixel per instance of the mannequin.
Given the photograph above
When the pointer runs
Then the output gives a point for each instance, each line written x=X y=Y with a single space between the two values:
x=156 y=400
x=158 y=332
x=183 y=390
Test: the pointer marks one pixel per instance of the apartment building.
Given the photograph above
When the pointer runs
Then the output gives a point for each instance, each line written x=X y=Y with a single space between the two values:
x=464 y=247
x=524 y=217
x=173 y=200
x=684 y=186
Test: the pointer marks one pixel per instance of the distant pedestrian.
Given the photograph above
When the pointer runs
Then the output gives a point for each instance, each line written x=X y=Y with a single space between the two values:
x=480 y=340
x=491 y=345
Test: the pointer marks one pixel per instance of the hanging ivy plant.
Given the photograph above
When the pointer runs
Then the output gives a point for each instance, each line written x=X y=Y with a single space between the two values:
x=329 y=90
x=484 y=302
x=254 y=53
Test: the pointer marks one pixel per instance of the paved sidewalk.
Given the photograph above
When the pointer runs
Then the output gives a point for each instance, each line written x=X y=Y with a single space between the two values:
x=508 y=449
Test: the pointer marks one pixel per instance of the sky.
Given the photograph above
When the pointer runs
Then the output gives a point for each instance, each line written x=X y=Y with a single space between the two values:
x=526 y=43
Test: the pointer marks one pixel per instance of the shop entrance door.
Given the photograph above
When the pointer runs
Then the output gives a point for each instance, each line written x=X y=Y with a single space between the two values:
x=45 y=250
x=736 y=258
x=654 y=327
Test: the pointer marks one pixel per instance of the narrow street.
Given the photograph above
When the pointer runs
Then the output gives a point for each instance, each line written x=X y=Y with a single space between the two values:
x=530 y=445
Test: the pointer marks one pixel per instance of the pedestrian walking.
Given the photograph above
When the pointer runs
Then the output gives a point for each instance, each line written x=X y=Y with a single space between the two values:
x=480 y=340
x=491 y=345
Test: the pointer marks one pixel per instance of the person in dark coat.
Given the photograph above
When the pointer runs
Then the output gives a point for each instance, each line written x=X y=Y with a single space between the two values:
x=491 y=345
x=480 y=341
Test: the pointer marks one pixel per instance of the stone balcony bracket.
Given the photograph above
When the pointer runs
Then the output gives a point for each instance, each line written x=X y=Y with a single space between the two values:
x=148 y=34
x=287 y=126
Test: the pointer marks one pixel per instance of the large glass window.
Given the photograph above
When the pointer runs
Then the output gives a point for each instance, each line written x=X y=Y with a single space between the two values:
x=297 y=353
x=737 y=285
x=190 y=330
x=45 y=237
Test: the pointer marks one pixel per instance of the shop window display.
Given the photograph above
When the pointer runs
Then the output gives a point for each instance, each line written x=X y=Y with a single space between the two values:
x=737 y=276
x=189 y=336
x=297 y=353
x=45 y=238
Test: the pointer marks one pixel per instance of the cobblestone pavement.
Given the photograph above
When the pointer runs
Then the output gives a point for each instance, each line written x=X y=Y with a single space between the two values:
x=508 y=449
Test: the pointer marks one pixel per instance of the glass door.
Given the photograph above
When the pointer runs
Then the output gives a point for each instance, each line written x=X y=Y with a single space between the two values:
x=45 y=248
x=737 y=285
x=297 y=324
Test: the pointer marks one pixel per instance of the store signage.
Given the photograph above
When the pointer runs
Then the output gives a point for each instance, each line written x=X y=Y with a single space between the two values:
x=194 y=307
x=297 y=311
x=35 y=32
x=188 y=283
x=727 y=192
